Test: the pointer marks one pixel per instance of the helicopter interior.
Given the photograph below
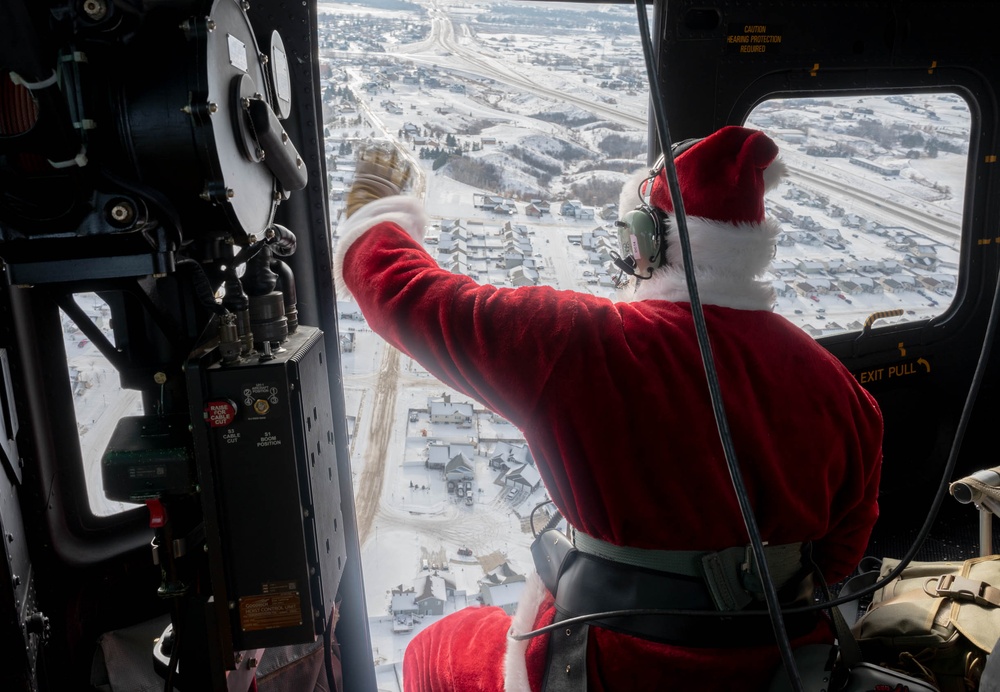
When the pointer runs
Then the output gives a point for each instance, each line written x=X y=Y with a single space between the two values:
x=163 y=153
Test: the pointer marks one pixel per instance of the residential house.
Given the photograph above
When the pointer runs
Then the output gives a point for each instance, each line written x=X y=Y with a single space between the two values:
x=505 y=595
x=438 y=456
x=506 y=455
x=783 y=267
x=609 y=212
x=502 y=574
x=459 y=468
x=523 y=477
x=571 y=208
x=522 y=276
x=812 y=268
x=865 y=265
x=892 y=285
x=939 y=283
x=926 y=263
x=806 y=289
x=849 y=287
x=512 y=258
x=533 y=210
x=783 y=289
x=447 y=412
x=432 y=591
x=403 y=607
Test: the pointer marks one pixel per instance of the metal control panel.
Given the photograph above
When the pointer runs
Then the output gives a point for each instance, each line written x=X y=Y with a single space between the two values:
x=271 y=493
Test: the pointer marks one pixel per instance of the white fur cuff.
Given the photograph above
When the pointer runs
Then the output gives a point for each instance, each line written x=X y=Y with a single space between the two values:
x=515 y=664
x=404 y=211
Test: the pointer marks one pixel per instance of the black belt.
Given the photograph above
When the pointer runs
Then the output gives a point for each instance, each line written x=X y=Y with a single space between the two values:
x=592 y=585
x=585 y=584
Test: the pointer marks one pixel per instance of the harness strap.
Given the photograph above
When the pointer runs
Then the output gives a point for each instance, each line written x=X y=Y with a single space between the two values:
x=596 y=577
x=731 y=575
x=592 y=585
x=566 y=670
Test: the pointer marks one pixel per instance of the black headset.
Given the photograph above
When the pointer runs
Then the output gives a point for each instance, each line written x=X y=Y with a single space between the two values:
x=643 y=231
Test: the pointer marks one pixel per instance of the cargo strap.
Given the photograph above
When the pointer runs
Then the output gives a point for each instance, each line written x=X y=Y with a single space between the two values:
x=964 y=589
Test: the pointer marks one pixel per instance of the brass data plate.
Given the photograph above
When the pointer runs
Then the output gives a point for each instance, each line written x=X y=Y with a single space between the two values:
x=269 y=611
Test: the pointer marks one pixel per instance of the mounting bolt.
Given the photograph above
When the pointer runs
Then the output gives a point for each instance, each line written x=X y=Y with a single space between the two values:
x=95 y=9
x=122 y=213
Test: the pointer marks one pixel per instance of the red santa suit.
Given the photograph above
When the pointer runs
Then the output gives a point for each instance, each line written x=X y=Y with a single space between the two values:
x=612 y=400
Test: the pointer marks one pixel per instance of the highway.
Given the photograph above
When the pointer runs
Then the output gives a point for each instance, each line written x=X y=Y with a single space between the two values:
x=443 y=46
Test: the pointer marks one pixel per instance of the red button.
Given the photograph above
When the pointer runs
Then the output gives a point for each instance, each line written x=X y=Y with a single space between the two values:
x=220 y=414
x=157 y=514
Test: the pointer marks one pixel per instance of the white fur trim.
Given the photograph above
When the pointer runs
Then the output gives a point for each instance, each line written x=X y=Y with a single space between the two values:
x=774 y=174
x=629 y=198
x=515 y=665
x=406 y=212
x=728 y=258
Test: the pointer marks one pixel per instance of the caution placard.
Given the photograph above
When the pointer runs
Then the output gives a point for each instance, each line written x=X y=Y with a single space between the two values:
x=753 y=38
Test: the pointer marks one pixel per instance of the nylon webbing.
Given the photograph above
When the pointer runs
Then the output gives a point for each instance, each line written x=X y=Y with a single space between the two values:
x=728 y=573
x=685 y=562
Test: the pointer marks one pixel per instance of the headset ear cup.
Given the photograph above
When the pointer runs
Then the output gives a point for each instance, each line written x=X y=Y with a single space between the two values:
x=640 y=237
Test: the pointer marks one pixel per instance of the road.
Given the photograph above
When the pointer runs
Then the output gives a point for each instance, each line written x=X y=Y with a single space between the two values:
x=443 y=45
x=880 y=205
x=368 y=493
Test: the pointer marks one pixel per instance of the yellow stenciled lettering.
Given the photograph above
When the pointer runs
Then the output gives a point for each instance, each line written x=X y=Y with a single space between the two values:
x=753 y=49
x=902 y=369
x=755 y=28
x=871 y=376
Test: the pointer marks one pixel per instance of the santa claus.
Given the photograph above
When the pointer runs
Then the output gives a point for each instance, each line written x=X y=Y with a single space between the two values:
x=612 y=399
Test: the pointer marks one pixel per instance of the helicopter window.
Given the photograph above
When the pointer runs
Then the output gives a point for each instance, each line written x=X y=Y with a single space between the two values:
x=98 y=399
x=871 y=209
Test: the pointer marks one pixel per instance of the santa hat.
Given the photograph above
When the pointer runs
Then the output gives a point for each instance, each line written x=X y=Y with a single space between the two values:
x=723 y=176
x=723 y=179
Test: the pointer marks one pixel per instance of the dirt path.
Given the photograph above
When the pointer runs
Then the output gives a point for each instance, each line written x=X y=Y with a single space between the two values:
x=383 y=409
